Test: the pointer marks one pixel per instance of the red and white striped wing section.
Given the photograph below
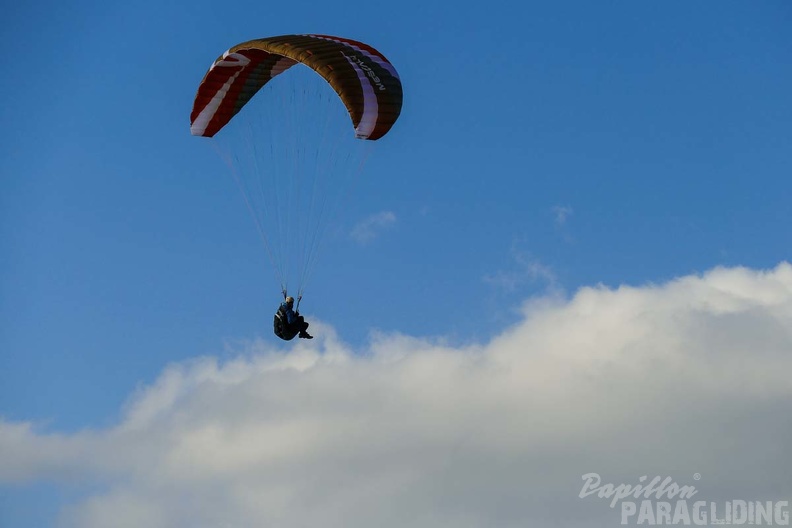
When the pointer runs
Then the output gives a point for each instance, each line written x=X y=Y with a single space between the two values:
x=229 y=84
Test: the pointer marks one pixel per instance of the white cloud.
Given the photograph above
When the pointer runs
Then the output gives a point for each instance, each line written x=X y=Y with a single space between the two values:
x=368 y=229
x=525 y=269
x=562 y=213
x=687 y=377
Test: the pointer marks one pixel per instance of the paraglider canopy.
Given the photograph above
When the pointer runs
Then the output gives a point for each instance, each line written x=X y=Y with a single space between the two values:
x=294 y=167
x=363 y=78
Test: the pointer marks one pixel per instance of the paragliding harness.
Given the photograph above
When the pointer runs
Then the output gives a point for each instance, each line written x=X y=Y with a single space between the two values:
x=281 y=324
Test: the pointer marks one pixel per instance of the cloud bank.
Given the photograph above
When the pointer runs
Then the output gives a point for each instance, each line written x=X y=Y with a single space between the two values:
x=688 y=377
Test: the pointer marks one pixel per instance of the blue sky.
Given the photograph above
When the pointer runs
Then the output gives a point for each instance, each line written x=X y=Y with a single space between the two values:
x=542 y=148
